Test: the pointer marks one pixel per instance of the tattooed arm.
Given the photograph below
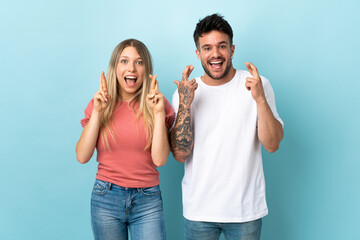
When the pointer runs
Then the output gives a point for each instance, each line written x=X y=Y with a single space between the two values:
x=181 y=136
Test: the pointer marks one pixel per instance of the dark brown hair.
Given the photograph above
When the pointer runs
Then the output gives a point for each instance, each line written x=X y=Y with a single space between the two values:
x=210 y=23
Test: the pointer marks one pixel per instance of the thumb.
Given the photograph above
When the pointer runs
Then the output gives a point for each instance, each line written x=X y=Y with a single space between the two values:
x=196 y=86
x=177 y=83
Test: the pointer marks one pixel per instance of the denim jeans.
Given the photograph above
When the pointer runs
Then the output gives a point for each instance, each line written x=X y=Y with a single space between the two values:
x=116 y=210
x=195 y=230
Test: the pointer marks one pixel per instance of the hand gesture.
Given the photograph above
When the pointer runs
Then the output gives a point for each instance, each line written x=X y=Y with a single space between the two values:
x=101 y=97
x=186 y=88
x=155 y=99
x=254 y=83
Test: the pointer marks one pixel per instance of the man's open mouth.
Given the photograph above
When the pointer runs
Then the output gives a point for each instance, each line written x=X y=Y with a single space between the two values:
x=216 y=64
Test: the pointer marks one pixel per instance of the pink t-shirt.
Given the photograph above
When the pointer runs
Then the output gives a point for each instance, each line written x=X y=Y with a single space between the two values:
x=127 y=164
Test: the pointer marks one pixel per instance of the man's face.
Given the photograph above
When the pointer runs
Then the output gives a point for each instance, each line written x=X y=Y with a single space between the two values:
x=215 y=54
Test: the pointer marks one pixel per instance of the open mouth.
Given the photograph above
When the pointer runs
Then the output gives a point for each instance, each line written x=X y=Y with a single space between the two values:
x=130 y=80
x=216 y=63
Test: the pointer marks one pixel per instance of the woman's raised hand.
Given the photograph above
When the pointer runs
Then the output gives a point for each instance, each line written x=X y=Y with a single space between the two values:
x=155 y=99
x=101 y=97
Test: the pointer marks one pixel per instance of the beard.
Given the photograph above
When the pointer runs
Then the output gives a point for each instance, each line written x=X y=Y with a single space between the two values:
x=207 y=71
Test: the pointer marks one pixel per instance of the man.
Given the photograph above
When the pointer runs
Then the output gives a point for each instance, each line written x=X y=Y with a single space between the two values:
x=218 y=133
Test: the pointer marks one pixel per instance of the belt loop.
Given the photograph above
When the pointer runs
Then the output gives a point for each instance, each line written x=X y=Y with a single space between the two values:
x=110 y=185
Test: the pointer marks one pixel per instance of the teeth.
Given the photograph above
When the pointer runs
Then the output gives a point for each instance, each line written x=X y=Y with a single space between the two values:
x=219 y=62
x=130 y=77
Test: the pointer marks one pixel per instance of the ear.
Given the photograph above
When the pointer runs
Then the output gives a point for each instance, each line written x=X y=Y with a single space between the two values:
x=232 y=50
x=198 y=54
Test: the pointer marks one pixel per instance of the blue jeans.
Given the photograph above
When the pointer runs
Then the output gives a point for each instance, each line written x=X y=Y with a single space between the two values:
x=116 y=210
x=195 y=230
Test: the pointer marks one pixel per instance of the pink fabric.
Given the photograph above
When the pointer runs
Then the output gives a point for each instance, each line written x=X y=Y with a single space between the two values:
x=127 y=164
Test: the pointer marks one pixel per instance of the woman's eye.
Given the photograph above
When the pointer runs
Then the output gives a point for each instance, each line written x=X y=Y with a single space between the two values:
x=139 y=62
x=123 y=61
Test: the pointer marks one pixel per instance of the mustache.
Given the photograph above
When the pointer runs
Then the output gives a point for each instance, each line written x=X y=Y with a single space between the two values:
x=217 y=59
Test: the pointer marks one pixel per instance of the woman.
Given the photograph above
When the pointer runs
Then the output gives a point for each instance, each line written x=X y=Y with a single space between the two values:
x=127 y=121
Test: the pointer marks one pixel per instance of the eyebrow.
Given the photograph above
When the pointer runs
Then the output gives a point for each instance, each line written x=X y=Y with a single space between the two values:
x=139 y=58
x=222 y=42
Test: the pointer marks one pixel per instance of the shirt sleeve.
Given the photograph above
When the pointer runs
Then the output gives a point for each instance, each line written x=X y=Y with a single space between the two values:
x=169 y=114
x=270 y=98
x=175 y=105
x=88 y=111
x=175 y=101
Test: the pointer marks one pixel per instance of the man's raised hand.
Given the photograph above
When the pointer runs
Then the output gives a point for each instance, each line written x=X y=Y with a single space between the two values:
x=254 y=83
x=186 y=87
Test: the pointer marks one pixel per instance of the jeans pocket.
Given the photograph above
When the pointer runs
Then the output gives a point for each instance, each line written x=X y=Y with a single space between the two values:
x=151 y=191
x=101 y=187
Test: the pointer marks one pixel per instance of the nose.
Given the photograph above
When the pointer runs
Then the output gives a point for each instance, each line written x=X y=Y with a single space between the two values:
x=215 y=52
x=132 y=67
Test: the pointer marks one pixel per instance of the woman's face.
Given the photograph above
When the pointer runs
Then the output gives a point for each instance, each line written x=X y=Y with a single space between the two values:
x=130 y=72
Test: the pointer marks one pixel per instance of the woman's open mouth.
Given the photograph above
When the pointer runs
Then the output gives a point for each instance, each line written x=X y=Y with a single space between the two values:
x=130 y=80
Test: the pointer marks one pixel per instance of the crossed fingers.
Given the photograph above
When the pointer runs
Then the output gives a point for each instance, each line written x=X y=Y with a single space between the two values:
x=102 y=98
x=186 y=73
x=252 y=69
x=103 y=87
x=185 y=77
x=251 y=82
x=154 y=88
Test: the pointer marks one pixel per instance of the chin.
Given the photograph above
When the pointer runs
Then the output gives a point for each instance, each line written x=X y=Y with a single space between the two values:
x=217 y=75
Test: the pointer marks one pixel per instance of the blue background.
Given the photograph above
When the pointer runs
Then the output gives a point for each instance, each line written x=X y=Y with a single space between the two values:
x=51 y=56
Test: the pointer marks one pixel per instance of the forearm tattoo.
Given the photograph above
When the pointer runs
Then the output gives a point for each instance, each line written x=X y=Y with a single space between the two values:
x=185 y=91
x=182 y=134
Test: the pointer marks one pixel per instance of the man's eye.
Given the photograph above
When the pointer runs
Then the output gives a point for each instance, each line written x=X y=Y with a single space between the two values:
x=223 y=46
x=207 y=49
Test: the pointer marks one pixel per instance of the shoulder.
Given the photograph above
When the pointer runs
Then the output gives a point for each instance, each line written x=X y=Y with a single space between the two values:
x=89 y=107
x=168 y=107
x=88 y=111
x=167 y=103
x=169 y=113
x=91 y=104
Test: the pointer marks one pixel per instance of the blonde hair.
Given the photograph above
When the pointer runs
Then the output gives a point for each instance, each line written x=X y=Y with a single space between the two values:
x=140 y=95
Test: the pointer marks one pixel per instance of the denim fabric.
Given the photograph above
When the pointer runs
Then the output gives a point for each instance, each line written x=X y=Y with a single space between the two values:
x=116 y=210
x=195 y=230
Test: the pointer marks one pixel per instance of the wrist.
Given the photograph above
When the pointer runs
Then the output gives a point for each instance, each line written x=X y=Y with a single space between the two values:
x=96 y=114
x=261 y=101
x=185 y=100
x=159 y=115
x=186 y=105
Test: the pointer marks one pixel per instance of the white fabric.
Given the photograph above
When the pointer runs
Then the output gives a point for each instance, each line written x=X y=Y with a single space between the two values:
x=224 y=179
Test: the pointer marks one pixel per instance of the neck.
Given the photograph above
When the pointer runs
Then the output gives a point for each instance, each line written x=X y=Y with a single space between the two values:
x=126 y=98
